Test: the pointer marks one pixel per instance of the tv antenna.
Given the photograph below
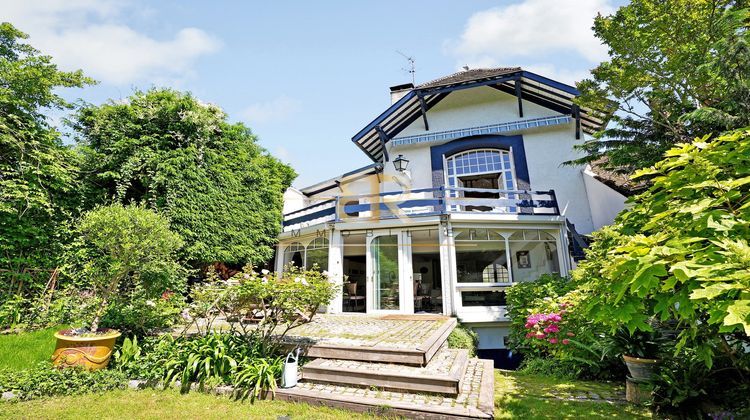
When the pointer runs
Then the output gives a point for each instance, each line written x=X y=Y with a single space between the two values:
x=411 y=69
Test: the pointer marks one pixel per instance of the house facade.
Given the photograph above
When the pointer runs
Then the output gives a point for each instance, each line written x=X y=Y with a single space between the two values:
x=466 y=195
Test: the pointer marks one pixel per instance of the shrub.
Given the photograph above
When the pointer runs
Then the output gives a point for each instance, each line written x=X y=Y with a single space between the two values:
x=280 y=303
x=463 y=337
x=46 y=380
x=550 y=367
x=124 y=252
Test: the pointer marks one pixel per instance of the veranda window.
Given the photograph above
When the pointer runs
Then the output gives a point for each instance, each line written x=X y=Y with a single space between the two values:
x=317 y=254
x=294 y=254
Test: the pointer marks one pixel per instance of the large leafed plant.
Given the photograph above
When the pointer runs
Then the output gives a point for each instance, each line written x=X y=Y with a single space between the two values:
x=681 y=252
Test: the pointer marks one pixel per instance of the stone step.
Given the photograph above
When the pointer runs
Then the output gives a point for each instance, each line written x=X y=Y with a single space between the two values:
x=396 y=346
x=474 y=400
x=442 y=375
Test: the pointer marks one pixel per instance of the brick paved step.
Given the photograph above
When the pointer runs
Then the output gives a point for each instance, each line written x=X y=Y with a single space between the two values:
x=390 y=349
x=475 y=399
x=442 y=375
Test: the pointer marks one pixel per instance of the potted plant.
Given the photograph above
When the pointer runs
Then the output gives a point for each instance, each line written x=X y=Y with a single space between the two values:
x=641 y=352
x=118 y=249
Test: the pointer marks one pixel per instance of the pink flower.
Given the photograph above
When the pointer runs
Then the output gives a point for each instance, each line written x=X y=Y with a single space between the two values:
x=566 y=341
x=530 y=335
x=552 y=340
x=570 y=334
x=540 y=335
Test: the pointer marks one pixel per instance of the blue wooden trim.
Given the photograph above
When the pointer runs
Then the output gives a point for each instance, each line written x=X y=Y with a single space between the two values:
x=331 y=211
x=549 y=82
x=384 y=115
x=481 y=142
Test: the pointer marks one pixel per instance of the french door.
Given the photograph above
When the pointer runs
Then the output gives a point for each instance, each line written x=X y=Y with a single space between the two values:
x=389 y=285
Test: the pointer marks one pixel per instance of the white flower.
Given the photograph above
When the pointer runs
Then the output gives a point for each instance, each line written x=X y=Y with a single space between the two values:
x=297 y=279
x=304 y=282
x=246 y=276
x=325 y=273
x=150 y=303
x=264 y=271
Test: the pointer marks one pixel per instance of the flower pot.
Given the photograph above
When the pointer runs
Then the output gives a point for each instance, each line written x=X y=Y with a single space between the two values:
x=641 y=370
x=91 y=353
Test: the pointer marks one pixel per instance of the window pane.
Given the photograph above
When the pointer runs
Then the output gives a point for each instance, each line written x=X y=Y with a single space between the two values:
x=479 y=260
x=531 y=259
x=483 y=298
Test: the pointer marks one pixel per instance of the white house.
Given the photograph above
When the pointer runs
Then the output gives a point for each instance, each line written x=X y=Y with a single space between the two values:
x=466 y=196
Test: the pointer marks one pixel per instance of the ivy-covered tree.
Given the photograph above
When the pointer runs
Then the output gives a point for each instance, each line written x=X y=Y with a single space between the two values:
x=221 y=191
x=37 y=173
x=678 y=70
x=681 y=253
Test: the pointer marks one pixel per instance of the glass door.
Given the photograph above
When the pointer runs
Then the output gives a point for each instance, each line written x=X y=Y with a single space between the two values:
x=387 y=277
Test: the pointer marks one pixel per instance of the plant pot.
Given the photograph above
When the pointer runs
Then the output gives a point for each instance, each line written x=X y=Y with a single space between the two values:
x=641 y=370
x=92 y=353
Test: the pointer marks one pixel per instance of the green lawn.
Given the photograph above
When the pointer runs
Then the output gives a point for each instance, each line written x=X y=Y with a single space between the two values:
x=168 y=404
x=516 y=396
x=541 y=397
x=22 y=351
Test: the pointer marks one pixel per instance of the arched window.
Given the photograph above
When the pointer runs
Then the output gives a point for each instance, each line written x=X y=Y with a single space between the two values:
x=294 y=254
x=317 y=254
x=480 y=169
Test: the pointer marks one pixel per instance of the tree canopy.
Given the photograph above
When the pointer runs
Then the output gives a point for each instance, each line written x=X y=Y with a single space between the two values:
x=678 y=70
x=37 y=173
x=221 y=191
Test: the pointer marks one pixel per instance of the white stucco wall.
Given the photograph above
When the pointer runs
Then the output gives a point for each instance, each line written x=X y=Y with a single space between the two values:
x=545 y=148
x=293 y=200
x=605 y=203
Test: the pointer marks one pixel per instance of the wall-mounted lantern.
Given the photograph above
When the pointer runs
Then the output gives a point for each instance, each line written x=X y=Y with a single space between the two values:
x=401 y=163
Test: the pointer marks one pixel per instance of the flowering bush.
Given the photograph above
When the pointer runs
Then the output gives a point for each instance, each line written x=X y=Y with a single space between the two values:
x=549 y=329
x=262 y=304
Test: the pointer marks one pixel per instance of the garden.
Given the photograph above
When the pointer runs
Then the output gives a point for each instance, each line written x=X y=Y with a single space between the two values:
x=123 y=249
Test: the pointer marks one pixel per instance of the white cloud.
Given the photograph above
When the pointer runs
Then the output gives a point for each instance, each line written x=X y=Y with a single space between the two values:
x=271 y=111
x=90 y=35
x=530 y=29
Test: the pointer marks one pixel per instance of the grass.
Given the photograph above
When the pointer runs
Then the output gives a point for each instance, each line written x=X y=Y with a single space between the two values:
x=22 y=351
x=541 y=397
x=517 y=395
x=151 y=404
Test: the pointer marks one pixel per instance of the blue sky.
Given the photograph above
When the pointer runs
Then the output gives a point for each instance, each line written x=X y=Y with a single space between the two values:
x=304 y=75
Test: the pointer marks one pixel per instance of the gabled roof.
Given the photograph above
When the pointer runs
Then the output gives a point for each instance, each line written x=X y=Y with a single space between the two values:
x=513 y=80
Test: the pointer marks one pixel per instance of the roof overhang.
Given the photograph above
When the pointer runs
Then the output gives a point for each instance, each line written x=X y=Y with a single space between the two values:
x=336 y=182
x=531 y=87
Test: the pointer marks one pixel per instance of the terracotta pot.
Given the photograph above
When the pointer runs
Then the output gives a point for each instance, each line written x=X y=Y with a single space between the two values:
x=90 y=352
x=641 y=370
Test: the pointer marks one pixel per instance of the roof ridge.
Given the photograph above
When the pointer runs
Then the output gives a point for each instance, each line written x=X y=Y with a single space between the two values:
x=468 y=71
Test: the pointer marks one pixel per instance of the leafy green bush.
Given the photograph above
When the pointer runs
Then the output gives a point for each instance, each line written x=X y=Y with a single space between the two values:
x=463 y=337
x=213 y=357
x=550 y=367
x=124 y=252
x=146 y=358
x=255 y=376
x=525 y=299
x=280 y=303
x=46 y=380
x=548 y=323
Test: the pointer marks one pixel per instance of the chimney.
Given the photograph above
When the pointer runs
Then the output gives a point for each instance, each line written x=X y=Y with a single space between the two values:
x=398 y=91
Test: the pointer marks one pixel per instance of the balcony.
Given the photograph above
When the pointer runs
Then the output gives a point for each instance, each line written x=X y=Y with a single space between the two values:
x=423 y=202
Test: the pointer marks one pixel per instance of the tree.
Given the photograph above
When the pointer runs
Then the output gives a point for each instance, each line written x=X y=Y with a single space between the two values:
x=681 y=252
x=37 y=173
x=122 y=250
x=221 y=191
x=678 y=70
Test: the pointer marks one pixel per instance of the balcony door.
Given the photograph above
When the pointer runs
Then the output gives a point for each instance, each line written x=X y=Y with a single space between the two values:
x=477 y=176
x=388 y=266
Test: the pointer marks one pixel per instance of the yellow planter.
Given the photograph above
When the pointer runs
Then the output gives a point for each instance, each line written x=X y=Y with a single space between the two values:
x=90 y=352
